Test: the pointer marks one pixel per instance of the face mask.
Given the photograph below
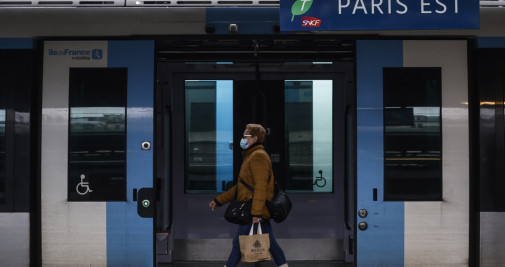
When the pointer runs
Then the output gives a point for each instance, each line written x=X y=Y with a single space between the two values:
x=243 y=143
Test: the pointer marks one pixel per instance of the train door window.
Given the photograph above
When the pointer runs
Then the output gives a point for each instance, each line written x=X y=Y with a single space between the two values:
x=308 y=129
x=412 y=134
x=97 y=134
x=2 y=151
x=209 y=135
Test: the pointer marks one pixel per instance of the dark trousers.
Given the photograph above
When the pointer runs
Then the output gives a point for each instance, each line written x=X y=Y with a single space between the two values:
x=275 y=249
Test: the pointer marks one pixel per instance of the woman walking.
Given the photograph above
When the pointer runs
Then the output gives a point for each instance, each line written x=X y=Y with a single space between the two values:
x=255 y=171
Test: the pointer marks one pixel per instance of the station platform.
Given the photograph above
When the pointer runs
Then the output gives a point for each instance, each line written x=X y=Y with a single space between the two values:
x=260 y=264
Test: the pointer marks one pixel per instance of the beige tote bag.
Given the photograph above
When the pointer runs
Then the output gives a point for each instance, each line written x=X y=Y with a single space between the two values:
x=255 y=247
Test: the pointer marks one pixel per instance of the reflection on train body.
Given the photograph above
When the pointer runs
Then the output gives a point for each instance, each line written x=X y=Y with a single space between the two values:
x=412 y=134
x=97 y=134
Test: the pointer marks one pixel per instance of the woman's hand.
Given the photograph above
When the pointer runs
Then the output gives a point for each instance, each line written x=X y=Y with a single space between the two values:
x=213 y=205
x=256 y=219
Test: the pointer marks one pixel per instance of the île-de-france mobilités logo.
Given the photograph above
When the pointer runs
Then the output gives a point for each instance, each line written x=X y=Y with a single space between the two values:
x=97 y=53
x=78 y=53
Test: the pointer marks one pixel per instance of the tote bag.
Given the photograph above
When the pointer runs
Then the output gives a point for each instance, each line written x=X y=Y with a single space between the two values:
x=255 y=247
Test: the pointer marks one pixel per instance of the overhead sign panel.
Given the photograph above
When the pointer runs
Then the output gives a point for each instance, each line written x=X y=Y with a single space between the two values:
x=336 y=15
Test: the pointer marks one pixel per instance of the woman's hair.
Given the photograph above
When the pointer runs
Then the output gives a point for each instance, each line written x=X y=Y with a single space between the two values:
x=257 y=130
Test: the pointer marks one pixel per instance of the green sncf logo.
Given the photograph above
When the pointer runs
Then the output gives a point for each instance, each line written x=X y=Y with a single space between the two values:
x=300 y=7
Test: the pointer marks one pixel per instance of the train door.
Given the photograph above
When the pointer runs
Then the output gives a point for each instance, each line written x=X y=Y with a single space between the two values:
x=17 y=139
x=412 y=153
x=97 y=161
x=206 y=107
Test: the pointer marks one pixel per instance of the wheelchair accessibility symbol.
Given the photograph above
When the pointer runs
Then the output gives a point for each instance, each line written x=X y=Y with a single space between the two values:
x=320 y=181
x=82 y=188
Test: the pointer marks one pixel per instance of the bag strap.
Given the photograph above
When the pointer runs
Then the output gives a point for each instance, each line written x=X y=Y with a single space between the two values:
x=246 y=185
x=250 y=187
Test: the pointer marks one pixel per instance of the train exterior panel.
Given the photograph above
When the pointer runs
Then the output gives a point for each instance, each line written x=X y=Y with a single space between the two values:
x=489 y=63
x=406 y=231
x=110 y=231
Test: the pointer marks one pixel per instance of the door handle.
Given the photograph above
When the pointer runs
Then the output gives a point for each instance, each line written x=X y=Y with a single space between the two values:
x=145 y=202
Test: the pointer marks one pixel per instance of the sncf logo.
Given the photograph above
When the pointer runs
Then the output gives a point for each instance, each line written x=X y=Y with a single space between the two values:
x=310 y=22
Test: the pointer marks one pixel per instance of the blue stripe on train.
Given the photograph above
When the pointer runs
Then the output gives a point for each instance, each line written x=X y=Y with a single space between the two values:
x=130 y=237
x=17 y=43
x=382 y=244
x=491 y=42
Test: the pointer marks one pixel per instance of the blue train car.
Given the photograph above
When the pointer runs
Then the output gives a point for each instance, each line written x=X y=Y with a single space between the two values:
x=120 y=121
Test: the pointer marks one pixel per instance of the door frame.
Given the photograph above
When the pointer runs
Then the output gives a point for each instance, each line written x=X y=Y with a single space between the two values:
x=170 y=75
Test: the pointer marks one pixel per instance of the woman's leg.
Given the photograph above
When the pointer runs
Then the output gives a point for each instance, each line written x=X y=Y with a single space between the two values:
x=235 y=255
x=275 y=249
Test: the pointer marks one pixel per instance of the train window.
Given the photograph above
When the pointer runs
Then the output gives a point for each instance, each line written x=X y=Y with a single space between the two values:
x=16 y=85
x=97 y=134
x=308 y=128
x=412 y=134
x=209 y=135
x=2 y=151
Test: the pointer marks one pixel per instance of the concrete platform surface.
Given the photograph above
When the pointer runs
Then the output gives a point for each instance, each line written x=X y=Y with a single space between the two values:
x=262 y=264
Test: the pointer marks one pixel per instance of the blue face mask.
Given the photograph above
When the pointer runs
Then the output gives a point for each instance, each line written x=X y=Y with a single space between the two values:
x=243 y=143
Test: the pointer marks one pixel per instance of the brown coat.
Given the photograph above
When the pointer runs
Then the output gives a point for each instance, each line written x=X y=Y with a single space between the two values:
x=255 y=170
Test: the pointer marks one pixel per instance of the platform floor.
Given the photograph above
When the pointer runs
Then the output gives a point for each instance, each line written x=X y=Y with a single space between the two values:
x=262 y=264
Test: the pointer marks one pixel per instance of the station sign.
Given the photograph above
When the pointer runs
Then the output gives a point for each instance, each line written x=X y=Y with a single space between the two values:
x=337 y=15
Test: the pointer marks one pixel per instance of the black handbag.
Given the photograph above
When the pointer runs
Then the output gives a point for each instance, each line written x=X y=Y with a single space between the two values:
x=239 y=212
x=280 y=206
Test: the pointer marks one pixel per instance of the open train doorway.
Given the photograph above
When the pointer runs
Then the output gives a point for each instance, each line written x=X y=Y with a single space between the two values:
x=307 y=110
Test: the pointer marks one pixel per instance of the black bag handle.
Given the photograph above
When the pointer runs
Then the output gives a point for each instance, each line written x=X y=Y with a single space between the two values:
x=246 y=185
x=250 y=187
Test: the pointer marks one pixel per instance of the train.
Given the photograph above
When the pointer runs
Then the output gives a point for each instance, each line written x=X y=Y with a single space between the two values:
x=120 y=120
